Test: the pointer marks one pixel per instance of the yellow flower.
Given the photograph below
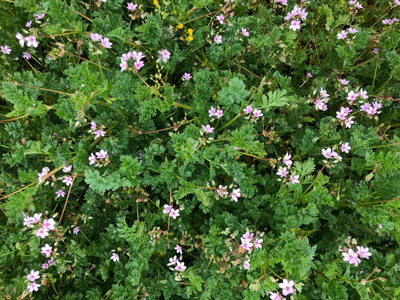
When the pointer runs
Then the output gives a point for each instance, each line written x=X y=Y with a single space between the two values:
x=180 y=26
x=190 y=38
x=155 y=2
x=190 y=31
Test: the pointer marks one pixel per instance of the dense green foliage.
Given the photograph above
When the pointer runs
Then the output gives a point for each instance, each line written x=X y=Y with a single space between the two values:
x=170 y=154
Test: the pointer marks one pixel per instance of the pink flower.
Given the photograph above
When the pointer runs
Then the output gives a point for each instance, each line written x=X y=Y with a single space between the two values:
x=102 y=154
x=167 y=208
x=33 y=287
x=363 y=94
x=219 y=113
x=114 y=257
x=248 y=109
x=245 y=32
x=123 y=65
x=221 y=18
x=287 y=161
x=42 y=233
x=345 y=147
x=320 y=105
x=294 y=178
x=165 y=55
x=46 y=250
x=222 y=192
x=178 y=249
x=327 y=153
x=31 y=41
x=92 y=159
x=235 y=195
x=180 y=266
x=186 y=76
x=28 y=24
x=352 y=30
x=257 y=113
x=287 y=287
x=351 y=257
x=99 y=133
x=211 y=112
x=246 y=265
x=294 y=25
x=38 y=17
x=67 y=169
x=173 y=261
x=20 y=38
x=342 y=35
x=324 y=94
x=377 y=105
x=5 y=49
x=282 y=172
x=246 y=244
x=348 y=122
x=208 y=129
x=274 y=296
x=67 y=180
x=33 y=275
x=132 y=6
x=363 y=252
x=136 y=55
x=351 y=96
x=105 y=42
x=60 y=193
x=95 y=37
x=174 y=213
x=138 y=64
x=218 y=39
x=76 y=230
x=309 y=75
x=344 y=81
x=45 y=266
x=257 y=243
x=248 y=235
x=93 y=125
x=26 y=55
x=36 y=218
x=48 y=224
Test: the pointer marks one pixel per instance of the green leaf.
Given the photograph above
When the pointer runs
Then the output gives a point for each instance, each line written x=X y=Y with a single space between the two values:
x=100 y=184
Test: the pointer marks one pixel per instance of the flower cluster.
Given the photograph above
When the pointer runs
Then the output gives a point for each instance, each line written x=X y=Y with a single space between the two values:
x=101 y=158
x=223 y=193
x=173 y=213
x=297 y=13
x=256 y=112
x=137 y=56
x=390 y=21
x=97 y=133
x=44 y=227
x=105 y=42
x=30 y=40
x=352 y=256
x=330 y=153
x=371 y=109
x=342 y=116
x=283 y=171
x=174 y=261
x=352 y=96
x=343 y=34
x=33 y=286
x=217 y=113
x=355 y=4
